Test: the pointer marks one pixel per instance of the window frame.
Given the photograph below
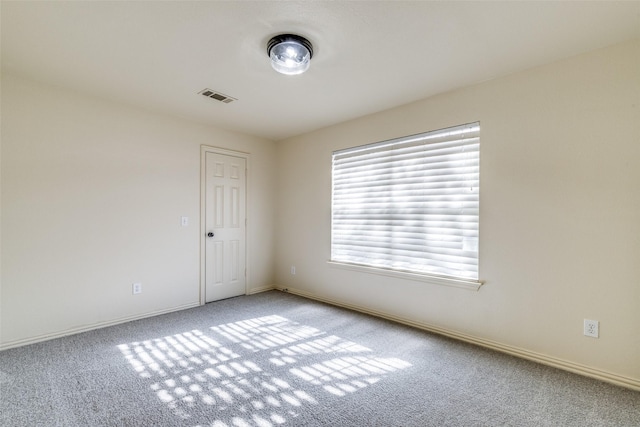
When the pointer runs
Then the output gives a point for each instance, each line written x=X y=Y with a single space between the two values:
x=472 y=283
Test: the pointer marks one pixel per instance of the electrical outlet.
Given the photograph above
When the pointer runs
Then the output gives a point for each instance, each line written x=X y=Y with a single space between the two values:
x=591 y=328
x=293 y=269
x=136 y=288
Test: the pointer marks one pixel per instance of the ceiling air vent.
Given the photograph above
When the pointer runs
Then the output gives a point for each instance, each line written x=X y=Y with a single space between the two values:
x=217 y=96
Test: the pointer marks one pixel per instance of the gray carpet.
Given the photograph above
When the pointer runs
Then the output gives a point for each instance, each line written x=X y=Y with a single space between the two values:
x=275 y=359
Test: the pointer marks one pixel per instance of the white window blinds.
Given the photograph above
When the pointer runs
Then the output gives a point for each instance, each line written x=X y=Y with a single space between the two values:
x=410 y=204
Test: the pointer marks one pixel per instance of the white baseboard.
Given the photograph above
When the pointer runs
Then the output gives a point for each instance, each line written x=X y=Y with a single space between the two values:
x=46 y=337
x=262 y=289
x=77 y=330
x=566 y=365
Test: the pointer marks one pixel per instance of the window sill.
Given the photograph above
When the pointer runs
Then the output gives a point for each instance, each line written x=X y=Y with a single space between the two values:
x=469 y=284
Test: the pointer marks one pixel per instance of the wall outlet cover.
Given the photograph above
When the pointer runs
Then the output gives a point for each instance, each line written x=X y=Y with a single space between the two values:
x=591 y=328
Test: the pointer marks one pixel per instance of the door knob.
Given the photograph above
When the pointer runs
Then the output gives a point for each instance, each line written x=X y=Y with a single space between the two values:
x=210 y=234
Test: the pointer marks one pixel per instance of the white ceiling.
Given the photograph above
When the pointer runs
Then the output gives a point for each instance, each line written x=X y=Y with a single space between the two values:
x=368 y=56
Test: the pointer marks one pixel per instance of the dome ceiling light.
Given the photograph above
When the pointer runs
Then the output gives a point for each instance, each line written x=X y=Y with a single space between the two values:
x=290 y=54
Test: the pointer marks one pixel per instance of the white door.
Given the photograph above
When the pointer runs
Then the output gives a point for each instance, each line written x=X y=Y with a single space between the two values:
x=225 y=226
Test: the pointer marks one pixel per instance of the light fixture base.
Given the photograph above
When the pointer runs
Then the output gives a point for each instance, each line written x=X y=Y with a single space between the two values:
x=290 y=54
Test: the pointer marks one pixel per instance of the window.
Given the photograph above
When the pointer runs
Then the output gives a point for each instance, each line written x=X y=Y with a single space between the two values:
x=409 y=204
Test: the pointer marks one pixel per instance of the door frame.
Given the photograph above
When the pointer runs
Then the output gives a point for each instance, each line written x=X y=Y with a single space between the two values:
x=204 y=149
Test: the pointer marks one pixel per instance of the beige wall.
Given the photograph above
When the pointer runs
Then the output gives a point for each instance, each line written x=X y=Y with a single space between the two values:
x=92 y=195
x=559 y=216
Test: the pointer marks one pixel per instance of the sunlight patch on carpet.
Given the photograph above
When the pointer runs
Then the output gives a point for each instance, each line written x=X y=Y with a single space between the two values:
x=268 y=368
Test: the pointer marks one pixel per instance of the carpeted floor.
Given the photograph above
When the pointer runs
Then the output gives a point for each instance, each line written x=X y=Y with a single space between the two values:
x=275 y=359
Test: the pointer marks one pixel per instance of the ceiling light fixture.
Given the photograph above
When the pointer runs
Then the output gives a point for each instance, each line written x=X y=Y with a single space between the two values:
x=290 y=54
